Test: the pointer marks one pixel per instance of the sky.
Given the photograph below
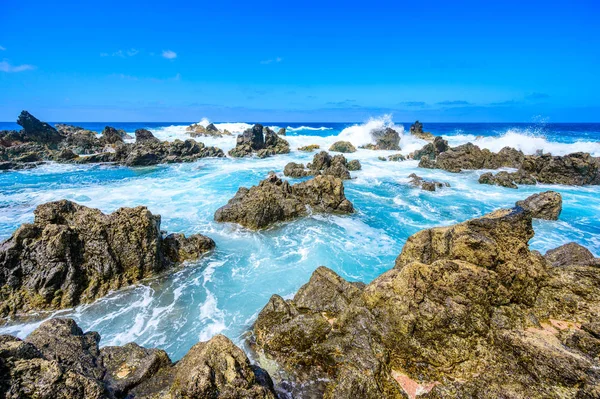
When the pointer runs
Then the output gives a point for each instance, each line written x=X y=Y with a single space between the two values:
x=294 y=61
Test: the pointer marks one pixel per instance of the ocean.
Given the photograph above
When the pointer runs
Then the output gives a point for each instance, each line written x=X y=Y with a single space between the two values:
x=224 y=291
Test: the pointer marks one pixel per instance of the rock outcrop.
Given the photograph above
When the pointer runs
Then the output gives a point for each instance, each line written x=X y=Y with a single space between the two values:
x=73 y=254
x=323 y=164
x=506 y=179
x=427 y=185
x=59 y=360
x=577 y=169
x=416 y=129
x=469 y=156
x=309 y=148
x=546 y=205
x=342 y=146
x=571 y=254
x=275 y=200
x=260 y=140
x=385 y=139
x=431 y=150
x=198 y=130
x=468 y=311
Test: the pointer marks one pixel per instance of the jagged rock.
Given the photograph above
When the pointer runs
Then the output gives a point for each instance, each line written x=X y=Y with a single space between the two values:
x=546 y=205
x=143 y=135
x=212 y=129
x=385 y=139
x=427 y=185
x=110 y=135
x=65 y=155
x=73 y=254
x=469 y=156
x=342 y=146
x=416 y=129
x=275 y=200
x=58 y=360
x=67 y=130
x=261 y=140
x=309 y=148
x=576 y=169
x=36 y=131
x=431 y=150
x=281 y=132
x=506 y=179
x=468 y=311
x=83 y=142
x=323 y=164
x=571 y=254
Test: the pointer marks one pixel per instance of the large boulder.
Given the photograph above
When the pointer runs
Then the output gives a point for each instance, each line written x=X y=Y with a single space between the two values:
x=342 y=146
x=73 y=254
x=506 y=179
x=469 y=156
x=36 y=131
x=431 y=150
x=546 y=205
x=260 y=140
x=575 y=169
x=468 y=311
x=275 y=200
x=59 y=360
x=144 y=136
x=386 y=139
x=571 y=254
x=323 y=164
x=110 y=135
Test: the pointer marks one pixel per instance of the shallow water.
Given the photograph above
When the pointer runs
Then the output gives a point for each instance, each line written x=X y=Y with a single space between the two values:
x=224 y=291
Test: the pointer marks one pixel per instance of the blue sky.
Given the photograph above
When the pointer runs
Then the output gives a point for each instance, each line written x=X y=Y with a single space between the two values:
x=300 y=61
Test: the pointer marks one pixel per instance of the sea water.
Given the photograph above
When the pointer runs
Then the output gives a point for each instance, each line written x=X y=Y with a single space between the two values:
x=224 y=291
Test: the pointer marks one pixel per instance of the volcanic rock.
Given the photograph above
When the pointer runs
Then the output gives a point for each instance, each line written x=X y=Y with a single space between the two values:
x=260 y=140
x=431 y=150
x=275 y=200
x=73 y=254
x=546 y=205
x=323 y=164
x=571 y=254
x=427 y=185
x=309 y=148
x=342 y=146
x=416 y=129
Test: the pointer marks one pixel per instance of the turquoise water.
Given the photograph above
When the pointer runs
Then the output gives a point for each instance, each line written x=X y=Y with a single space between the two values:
x=224 y=291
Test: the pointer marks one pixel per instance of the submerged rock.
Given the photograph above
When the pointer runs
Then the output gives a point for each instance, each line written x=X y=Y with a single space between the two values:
x=73 y=254
x=342 y=146
x=546 y=205
x=427 y=185
x=323 y=164
x=59 y=360
x=274 y=200
x=468 y=311
x=260 y=140
x=416 y=129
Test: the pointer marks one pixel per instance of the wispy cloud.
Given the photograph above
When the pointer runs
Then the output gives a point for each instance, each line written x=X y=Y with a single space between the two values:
x=414 y=103
x=347 y=102
x=271 y=61
x=537 y=96
x=454 y=102
x=168 y=54
x=6 y=67
x=2 y=48
x=123 y=54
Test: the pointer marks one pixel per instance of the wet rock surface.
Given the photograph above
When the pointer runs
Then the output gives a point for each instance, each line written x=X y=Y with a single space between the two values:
x=571 y=254
x=275 y=200
x=59 y=360
x=546 y=205
x=506 y=179
x=431 y=150
x=323 y=164
x=385 y=139
x=468 y=311
x=198 y=130
x=342 y=146
x=469 y=156
x=427 y=185
x=260 y=140
x=416 y=129
x=73 y=254
x=309 y=148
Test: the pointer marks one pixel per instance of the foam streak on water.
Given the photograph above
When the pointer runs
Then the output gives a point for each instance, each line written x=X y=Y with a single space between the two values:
x=224 y=291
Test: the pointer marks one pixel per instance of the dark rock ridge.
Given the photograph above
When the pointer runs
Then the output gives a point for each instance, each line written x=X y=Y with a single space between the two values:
x=59 y=360
x=323 y=164
x=468 y=311
x=385 y=139
x=275 y=200
x=427 y=185
x=197 y=130
x=416 y=129
x=73 y=254
x=546 y=205
x=506 y=179
x=431 y=150
x=469 y=156
x=260 y=140
x=39 y=142
x=342 y=146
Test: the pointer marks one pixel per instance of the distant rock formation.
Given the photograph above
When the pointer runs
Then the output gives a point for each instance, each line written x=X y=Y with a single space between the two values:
x=309 y=148
x=275 y=200
x=323 y=164
x=73 y=254
x=416 y=129
x=260 y=140
x=59 y=360
x=198 y=130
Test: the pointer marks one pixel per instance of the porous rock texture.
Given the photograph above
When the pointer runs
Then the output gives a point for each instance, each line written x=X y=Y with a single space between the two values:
x=261 y=140
x=59 y=360
x=546 y=205
x=275 y=200
x=468 y=311
x=73 y=254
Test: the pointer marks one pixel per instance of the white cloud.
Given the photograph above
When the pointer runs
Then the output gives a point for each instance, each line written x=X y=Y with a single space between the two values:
x=123 y=54
x=132 y=52
x=2 y=48
x=6 y=67
x=270 y=61
x=168 y=54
